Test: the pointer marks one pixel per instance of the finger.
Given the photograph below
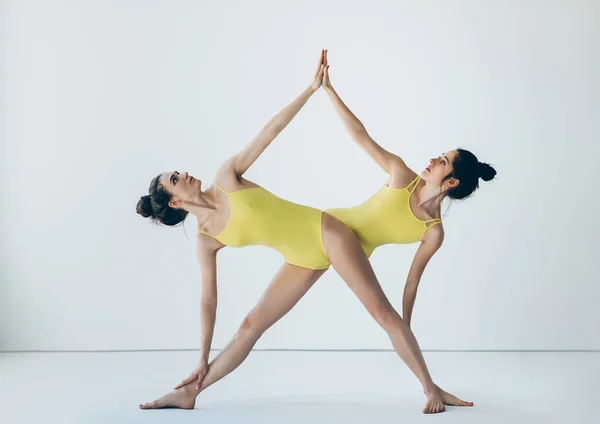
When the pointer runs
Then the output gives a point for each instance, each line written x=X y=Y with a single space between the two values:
x=320 y=62
x=201 y=377
x=325 y=58
x=186 y=381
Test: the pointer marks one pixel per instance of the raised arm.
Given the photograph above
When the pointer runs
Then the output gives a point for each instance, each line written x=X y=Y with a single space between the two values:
x=244 y=159
x=432 y=241
x=388 y=161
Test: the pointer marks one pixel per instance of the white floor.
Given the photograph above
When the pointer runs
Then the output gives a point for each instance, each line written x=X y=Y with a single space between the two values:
x=300 y=387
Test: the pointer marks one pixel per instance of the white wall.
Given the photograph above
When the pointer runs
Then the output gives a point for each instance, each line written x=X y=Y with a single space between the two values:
x=100 y=96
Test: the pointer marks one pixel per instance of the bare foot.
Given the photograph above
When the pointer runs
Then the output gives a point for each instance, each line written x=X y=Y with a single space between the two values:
x=184 y=398
x=434 y=403
x=452 y=400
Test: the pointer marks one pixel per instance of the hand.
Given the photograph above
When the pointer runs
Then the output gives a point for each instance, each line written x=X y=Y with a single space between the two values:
x=318 y=78
x=198 y=374
x=326 y=83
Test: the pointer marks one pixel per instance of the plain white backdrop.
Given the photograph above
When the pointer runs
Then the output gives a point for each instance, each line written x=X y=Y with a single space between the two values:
x=98 y=97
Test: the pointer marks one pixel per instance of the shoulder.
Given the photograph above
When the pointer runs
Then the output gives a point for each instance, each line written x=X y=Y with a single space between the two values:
x=400 y=174
x=433 y=237
x=206 y=247
x=228 y=178
x=226 y=172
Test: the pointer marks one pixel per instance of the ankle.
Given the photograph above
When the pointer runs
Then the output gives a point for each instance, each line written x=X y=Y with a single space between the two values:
x=190 y=390
x=430 y=388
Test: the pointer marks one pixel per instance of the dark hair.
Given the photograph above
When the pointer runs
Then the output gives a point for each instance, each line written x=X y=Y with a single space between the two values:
x=156 y=205
x=467 y=170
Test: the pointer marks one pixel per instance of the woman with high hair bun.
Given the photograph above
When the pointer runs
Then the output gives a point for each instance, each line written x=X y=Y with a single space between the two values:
x=407 y=207
x=237 y=212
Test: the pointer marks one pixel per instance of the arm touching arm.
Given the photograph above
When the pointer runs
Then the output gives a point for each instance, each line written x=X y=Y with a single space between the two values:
x=388 y=161
x=244 y=159
x=432 y=241
x=359 y=134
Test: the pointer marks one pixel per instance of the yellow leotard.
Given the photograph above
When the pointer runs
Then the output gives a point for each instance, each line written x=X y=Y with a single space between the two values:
x=258 y=217
x=385 y=218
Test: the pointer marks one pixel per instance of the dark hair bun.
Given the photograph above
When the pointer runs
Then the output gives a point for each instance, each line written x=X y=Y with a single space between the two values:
x=486 y=172
x=144 y=207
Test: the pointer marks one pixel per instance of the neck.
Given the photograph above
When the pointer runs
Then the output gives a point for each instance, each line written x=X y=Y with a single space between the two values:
x=429 y=197
x=202 y=205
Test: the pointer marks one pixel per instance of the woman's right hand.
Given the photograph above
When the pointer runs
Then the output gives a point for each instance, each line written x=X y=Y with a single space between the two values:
x=326 y=83
x=197 y=375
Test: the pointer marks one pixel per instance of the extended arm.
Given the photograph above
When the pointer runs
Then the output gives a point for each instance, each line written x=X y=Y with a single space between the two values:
x=206 y=253
x=244 y=159
x=432 y=241
x=207 y=259
x=388 y=161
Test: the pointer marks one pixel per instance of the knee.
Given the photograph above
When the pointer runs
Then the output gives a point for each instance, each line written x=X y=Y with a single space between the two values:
x=250 y=326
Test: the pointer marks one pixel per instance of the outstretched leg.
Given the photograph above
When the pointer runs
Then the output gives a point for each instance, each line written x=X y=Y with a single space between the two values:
x=351 y=263
x=286 y=289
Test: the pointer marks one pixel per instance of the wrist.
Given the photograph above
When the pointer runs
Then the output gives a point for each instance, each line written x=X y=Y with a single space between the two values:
x=203 y=358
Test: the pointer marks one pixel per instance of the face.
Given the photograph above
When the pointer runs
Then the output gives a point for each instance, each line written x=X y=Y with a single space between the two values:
x=180 y=186
x=439 y=168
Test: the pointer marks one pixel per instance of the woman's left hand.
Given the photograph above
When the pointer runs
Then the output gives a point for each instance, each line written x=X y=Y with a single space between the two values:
x=318 y=78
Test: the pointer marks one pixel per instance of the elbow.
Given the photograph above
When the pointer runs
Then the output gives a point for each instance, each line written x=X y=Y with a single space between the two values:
x=360 y=132
x=271 y=130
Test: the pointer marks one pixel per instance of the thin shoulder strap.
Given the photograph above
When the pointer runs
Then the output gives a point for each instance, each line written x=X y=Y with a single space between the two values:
x=433 y=222
x=413 y=184
x=210 y=235
x=221 y=188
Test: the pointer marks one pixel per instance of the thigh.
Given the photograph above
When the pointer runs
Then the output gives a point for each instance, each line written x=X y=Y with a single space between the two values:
x=352 y=264
x=285 y=290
